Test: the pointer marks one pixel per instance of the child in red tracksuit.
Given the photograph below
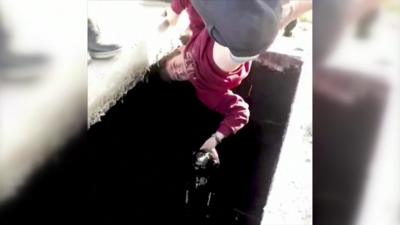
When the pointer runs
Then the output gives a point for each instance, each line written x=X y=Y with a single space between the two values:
x=205 y=64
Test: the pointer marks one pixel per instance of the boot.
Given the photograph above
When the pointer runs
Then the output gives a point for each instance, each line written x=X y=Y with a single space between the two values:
x=96 y=49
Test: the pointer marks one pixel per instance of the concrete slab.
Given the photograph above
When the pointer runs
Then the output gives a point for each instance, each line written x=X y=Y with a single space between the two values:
x=133 y=24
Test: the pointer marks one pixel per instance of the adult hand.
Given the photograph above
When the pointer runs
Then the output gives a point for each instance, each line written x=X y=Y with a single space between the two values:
x=163 y=25
x=170 y=19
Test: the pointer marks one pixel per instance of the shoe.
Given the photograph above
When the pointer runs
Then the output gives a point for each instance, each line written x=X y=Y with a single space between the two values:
x=289 y=28
x=99 y=50
x=364 y=26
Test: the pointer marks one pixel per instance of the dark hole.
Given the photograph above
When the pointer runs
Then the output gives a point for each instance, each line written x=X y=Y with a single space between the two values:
x=134 y=165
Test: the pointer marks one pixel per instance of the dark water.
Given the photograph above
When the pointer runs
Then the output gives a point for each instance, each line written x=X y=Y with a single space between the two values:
x=133 y=167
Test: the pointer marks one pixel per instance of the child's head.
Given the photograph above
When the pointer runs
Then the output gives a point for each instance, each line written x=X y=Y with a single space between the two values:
x=173 y=67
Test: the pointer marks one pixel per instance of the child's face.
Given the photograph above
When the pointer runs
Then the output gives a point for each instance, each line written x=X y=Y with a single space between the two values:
x=176 y=68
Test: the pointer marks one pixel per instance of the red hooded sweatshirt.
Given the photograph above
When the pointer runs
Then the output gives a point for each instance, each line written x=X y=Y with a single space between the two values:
x=213 y=85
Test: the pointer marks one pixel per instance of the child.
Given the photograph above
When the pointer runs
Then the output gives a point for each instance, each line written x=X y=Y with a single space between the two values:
x=212 y=68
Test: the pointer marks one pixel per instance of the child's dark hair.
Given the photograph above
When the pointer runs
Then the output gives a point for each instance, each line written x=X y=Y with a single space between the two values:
x=163 y=63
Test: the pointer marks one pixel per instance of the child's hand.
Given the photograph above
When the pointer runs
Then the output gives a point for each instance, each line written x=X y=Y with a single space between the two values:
x=209 y=146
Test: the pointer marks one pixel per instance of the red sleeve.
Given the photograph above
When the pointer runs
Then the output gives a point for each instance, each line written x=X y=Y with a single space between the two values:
x=179 y=5
x=233 y=107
